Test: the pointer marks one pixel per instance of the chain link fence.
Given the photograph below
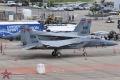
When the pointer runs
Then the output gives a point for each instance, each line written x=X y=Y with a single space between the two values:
x=39 y=13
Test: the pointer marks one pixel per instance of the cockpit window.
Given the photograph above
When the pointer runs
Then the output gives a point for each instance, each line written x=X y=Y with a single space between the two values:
x=95 y=37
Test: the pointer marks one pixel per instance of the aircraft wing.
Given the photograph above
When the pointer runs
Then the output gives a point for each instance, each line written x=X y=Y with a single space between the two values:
x=55 y=43
x=58 y=43
x=61 y=34
x=29 y=46
x=61 y=43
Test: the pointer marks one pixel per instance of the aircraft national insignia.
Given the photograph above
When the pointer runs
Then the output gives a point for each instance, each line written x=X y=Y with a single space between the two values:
x=6 y=75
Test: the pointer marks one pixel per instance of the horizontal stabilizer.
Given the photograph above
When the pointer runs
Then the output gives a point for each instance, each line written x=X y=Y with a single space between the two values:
x=29 y=46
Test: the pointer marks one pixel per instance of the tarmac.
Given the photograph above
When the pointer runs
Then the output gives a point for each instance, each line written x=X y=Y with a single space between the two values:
x=99 y=64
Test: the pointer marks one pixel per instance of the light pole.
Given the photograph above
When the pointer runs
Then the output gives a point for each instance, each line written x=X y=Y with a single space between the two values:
x=49 y=3
x=28 y=2
x=49 y=7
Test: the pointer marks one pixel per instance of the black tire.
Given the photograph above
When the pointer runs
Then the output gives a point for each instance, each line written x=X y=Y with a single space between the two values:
x=59 y=55
x=118 y=26
x=53 y=53
x=118 y=21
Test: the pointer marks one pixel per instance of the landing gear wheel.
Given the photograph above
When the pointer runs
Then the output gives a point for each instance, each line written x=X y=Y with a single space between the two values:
x=53 y=53
x=59 y=55
x=84 y=54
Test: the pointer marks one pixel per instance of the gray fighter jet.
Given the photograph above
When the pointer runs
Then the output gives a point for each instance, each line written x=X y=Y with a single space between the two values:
x=82 y=29
x=58 y=41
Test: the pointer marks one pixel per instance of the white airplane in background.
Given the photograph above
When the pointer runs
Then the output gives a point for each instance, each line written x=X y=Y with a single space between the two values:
x=61 y=27
x=101 y=33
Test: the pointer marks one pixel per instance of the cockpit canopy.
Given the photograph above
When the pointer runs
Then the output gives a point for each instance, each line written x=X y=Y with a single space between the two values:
x=94 y=37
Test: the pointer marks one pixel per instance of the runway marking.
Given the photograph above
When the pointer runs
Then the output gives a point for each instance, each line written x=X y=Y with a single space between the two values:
x=72 y=68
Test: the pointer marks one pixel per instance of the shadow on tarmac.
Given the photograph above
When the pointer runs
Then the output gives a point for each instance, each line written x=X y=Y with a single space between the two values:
x=74 y=55
x=47 y=56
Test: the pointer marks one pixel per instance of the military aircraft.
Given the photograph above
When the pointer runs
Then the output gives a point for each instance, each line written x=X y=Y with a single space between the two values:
x=80 y=29
x=58 y=41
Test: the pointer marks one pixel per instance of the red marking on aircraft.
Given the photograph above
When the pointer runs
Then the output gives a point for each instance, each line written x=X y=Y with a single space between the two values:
x=83 y=20
x=88 y=20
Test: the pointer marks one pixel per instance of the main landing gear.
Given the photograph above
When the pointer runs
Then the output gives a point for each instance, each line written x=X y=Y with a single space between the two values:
x=57 y=53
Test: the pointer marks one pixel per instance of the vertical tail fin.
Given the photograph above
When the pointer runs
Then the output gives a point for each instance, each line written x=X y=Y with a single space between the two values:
x=85 y=29
x=27 y=36
x=79 y=25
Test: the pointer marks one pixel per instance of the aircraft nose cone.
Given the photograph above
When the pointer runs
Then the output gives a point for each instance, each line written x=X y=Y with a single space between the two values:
x=111 y=43
x=7 y=37
x=115 y=43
